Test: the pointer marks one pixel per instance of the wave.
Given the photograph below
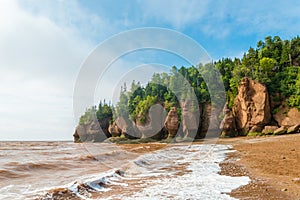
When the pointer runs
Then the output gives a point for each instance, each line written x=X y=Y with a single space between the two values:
x=87 y=188
x=31 y=166
x=143 y=168
x=87 y=158
x=155 y=175
x=10 y=174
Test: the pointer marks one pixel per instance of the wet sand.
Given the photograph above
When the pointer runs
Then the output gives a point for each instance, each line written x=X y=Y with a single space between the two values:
x=272 y=163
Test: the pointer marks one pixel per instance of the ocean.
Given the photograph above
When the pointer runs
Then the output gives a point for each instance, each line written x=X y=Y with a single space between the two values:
x=65 y=170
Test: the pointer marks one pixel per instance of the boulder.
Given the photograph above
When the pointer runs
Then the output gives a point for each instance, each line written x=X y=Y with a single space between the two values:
x=294 y=129
x=172 y=123
x=280 y=131
x=287 y=116
x=256 y=129
x=269 y=129
x=251 y=106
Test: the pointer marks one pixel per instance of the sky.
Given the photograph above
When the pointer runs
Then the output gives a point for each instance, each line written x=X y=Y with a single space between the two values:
x=43 y=45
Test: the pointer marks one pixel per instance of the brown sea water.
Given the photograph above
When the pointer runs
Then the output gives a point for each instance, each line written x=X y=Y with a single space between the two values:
x=65 y=170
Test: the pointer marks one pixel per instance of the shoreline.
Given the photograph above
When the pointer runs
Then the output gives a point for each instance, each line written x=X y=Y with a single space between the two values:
x=257 y=158
x=272 y=163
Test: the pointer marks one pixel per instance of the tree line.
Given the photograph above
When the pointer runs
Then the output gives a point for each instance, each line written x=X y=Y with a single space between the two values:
x=274 y=62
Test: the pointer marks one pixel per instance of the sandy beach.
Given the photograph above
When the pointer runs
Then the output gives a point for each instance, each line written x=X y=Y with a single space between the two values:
x=271 y=162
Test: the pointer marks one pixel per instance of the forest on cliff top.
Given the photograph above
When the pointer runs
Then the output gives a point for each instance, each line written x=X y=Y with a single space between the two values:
x=274 y=63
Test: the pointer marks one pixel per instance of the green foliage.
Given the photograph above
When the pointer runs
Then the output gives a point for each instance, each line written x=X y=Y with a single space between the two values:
x=294 y=100
x=88 y=116
x=142 y=109
x=265 y=70
x=122 y=108
x=255 y=134
x=104 y=111
x=275 y=110
x=273 y=62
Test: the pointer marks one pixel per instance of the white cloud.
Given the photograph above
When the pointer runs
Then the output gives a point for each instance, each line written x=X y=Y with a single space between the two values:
x=43 y=43
x=39 y=61
x=70 y=16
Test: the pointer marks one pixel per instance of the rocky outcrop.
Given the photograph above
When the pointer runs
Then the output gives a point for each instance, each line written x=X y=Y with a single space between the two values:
x=114 y=130
x=172 y=123
x=269 y=130
x=294 y=129
x=280 y=131
x=92 y=132
x=228 y=125
x=120 y=126
x=287 y=116
x=205 y=111
x=76 y=136
x=190 y=118
x=154 y=122
x=251 y=112
x=251 y=107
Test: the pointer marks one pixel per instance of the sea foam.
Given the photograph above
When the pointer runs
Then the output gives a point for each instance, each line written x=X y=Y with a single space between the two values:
x=201 y=181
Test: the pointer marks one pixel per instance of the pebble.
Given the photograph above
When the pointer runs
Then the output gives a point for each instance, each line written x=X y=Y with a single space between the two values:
x=284 y=190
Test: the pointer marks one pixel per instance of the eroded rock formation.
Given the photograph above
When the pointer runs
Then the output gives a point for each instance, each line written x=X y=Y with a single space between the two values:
x=172 y=123
x=294 y=129
x=114 y=130
x=269 y=129
x=228 y=124
x=251 y=107
x=154 y=122
x=92 y=132
x=287 y=116
x=251 y=113
x=190 y=118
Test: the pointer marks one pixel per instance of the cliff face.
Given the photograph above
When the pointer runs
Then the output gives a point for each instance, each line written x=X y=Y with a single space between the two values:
x=251 y=107
x=154 y=123
x=252 y=113
x=95 y=131
x=228 y=124
x=172 y=123
x=190 y=119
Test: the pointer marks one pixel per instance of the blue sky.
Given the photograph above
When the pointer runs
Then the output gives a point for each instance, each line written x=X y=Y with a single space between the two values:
x=43 y=44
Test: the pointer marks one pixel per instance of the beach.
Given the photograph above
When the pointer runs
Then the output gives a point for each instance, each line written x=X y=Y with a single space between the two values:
x=272 y=163
x=225 y=168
